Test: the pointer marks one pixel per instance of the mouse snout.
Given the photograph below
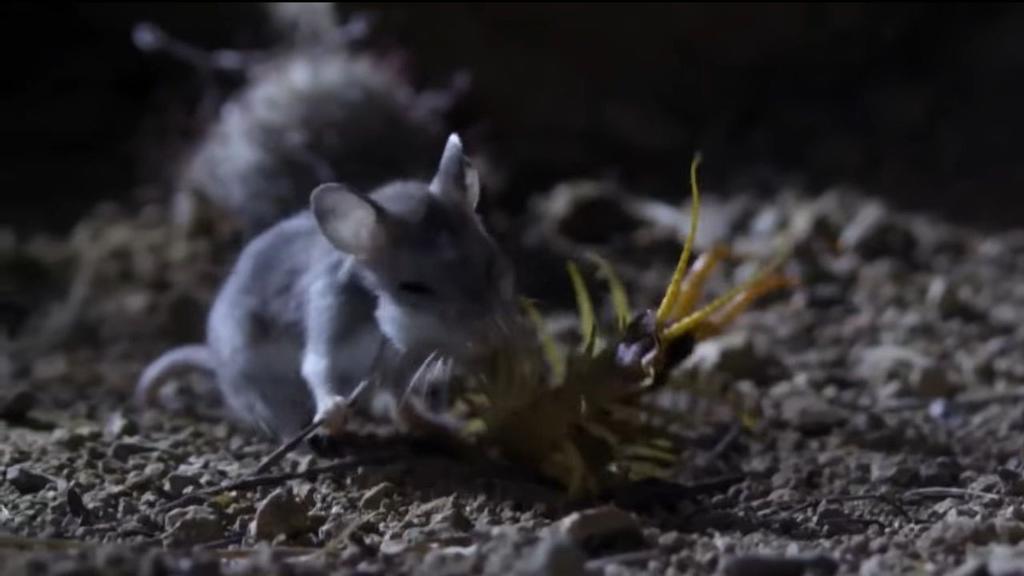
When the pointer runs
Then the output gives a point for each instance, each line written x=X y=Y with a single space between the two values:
x=493 y=325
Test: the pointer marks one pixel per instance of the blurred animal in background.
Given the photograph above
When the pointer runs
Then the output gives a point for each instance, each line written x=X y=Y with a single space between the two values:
x=311 y=109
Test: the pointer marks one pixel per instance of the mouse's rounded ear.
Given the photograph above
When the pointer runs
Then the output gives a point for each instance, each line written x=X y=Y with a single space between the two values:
x=456 y=181
x=350 y=221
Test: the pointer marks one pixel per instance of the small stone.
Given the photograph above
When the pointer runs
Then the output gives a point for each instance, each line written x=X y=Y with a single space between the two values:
x=1016 y=512
x=933 y=381
x=177 y=482
x=149 y=475
x=280 y=514
x=944 y=507
x=988 y=483
x=834 y=520
x=810 y=414
x=118 y=426
x=601 y=528
x=957 y=533
x=555 y=555
x=73 y=439
x=453 y=518
x=874 y=233
x=671 y=541
x=124 y=450
x=376 y=495
x=893 y=471
x=191 y=526
x=26 y=481
x=784 y=494
x=885 y=364
x=879 y=364
x=429 y=509
x=944 y=299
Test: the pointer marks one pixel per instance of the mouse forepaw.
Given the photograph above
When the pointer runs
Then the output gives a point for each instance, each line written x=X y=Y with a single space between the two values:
x=333 y=416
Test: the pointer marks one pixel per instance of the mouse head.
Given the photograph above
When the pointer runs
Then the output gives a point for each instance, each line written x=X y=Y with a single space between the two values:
x=441 y=280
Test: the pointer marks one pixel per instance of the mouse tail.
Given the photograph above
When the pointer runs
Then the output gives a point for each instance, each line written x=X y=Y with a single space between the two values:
x=175 y=361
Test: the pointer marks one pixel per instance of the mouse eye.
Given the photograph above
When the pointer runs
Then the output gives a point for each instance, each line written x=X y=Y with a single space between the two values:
x=415 y=288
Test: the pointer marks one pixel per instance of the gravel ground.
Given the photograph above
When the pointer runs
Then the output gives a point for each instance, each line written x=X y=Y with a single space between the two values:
x=867 y=421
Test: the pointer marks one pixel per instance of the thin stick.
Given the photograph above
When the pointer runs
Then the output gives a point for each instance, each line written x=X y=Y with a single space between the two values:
x=286 y=448
x=252 y=482
x=938 y=492
x=292 y=443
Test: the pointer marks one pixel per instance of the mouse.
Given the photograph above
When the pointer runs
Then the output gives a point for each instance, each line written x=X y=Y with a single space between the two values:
x=312 y=107
x=357 y=285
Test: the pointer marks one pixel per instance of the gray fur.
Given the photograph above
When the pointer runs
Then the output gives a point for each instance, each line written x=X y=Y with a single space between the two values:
x=316 y=302
x=308 y=117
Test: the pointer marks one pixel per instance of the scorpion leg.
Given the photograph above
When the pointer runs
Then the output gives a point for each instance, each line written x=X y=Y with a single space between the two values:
x=751 y=293
x=692 y=286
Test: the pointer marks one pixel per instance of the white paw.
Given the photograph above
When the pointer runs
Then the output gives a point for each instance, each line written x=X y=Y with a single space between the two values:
x=333 y=415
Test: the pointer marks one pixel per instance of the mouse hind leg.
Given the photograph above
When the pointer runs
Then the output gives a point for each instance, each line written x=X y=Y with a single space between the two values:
x=264 y=389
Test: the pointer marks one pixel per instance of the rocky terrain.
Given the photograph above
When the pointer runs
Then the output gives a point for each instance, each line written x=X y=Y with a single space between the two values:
x=867 y=421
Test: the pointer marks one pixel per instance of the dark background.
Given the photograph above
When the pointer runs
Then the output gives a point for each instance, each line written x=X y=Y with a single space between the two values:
x=917 y=103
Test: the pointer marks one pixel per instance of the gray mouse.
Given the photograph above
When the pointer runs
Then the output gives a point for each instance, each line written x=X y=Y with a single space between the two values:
x=331 y=296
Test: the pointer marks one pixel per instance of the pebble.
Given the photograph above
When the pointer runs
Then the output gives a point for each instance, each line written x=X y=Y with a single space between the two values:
x=834 y=520
x=191 y=526
x=893 y=471
x=124 y=450
x=956 y=533
x=280 y=513
x=943 y=298
x=118 y=425
x=874 y=232
x=810 y=414
x=880 y=364
x=26 y=481
x=987 y=483
x=177 y=482
x=599 y=528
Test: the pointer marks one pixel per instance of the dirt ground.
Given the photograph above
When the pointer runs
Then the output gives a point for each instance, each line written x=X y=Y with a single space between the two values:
x=866 y=421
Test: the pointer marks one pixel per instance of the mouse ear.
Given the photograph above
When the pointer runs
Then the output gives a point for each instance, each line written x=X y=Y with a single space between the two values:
x=350 y=221
x=456 y=181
